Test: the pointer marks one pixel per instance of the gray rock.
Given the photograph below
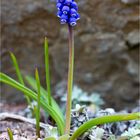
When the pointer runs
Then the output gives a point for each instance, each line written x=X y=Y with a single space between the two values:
x=130 y=1
x=133 y=38
x=103 y=61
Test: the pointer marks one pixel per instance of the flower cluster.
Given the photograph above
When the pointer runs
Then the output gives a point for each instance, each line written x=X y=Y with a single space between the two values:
x=67 y=12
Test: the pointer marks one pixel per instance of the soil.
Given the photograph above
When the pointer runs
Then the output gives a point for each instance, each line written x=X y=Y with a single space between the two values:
x=23 y=128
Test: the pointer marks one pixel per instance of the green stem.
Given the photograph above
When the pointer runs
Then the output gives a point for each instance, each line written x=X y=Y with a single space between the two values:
x=102 y=120
x=47 y=70
x=70 y=79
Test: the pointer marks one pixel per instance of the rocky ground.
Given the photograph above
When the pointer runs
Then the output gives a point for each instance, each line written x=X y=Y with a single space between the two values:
x=23 y=127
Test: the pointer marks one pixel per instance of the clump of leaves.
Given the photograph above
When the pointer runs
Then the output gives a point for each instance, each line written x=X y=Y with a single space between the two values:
x=53 y=109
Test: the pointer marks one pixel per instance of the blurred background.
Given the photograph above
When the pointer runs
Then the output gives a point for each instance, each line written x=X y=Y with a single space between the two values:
x=106 y=47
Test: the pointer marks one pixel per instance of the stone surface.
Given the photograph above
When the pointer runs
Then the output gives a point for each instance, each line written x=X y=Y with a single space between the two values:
x=104 y=62
x=130 y=1
x=133 y=38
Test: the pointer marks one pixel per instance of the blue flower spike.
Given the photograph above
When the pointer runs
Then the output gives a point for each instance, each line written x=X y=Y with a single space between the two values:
x=67 y=12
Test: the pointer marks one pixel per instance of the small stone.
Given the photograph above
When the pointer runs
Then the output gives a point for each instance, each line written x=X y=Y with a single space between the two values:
x=133 y=38
x=130 y=1
x=79 y=124
x=108 y=111
x=88 y=78
x=81 y=118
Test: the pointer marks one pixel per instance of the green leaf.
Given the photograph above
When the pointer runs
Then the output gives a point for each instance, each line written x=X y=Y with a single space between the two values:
x=15 y=64
x=53 y=113
x=46 y=49
x=38 y=104
x=19 y=75
x=31 y=81
x=102 y=120
x=10 y=134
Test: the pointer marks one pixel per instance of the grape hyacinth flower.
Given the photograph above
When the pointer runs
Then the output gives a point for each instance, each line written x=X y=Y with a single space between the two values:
x=67 y=12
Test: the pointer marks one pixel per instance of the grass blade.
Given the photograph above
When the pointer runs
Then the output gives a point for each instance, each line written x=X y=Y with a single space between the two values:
x=102 y=120
x=38 y=104
x=19 y=75
x=10 y=134
x=16 y=66
x=47 y=70
x=53 y=113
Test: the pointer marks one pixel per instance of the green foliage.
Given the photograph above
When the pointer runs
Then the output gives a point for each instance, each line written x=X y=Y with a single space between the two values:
x=19 y=75
x=15 y=64
x=47 y=70
x=44 y=96
x=38 y=104
x=28 y=92
x=46 y=101
x=10 y=134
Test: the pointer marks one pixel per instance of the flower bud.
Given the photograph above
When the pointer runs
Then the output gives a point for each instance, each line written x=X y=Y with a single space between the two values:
x=65 y=9
x=59 y=14
x=74 y=5
x=59 y=6
x=64 y=18
x=72 y=21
